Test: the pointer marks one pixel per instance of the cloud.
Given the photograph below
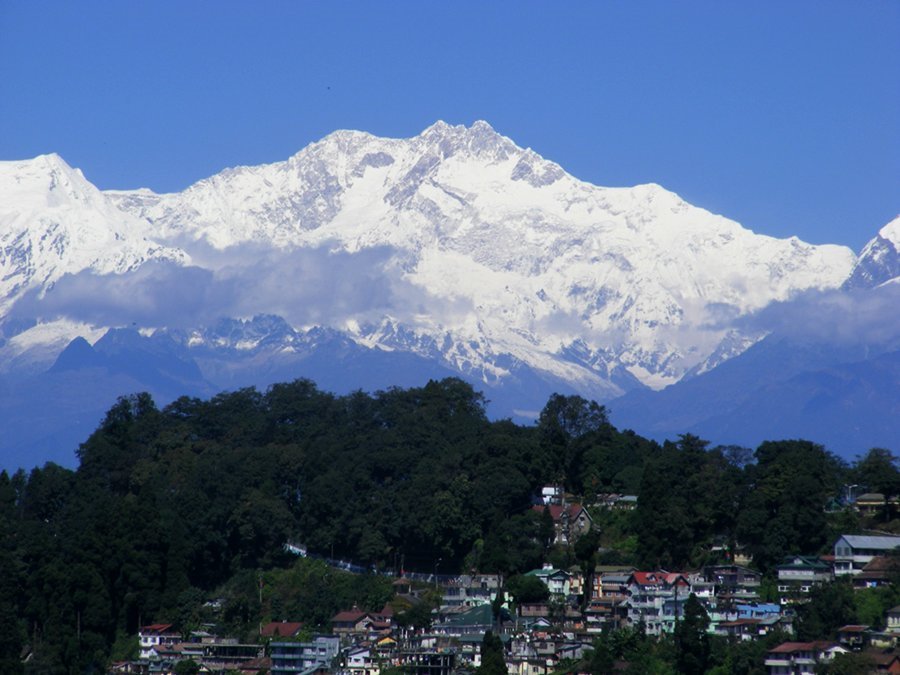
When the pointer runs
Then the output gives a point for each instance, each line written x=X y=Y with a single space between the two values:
x=318 y=286
x=855 y=317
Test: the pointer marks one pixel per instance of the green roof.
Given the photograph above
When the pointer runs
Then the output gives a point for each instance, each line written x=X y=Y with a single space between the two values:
x=482 y=615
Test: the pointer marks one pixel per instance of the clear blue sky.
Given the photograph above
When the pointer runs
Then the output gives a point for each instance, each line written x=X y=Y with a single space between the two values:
x=782 y=115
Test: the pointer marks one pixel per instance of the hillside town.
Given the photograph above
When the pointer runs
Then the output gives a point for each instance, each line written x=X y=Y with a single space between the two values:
x=550 y=619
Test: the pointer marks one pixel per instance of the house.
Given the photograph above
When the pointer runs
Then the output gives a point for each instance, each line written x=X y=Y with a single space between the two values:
x=879 y=571
x=884 y=661
x=255 y=666
x=226 y=654
x=477 y=620
x=469 y=648
x=619 y=502
x=890 y=636
x=797 y=575
x=362 y=661
x=426 y=661
x=611 y=583
x=156 y=635
x=284 y=629
x=570 y=521
x=356 y=622
x=469 y=590
x=759 y=610
x=740 y=629
x=656 y=598
x=871 y=504
x=853 y=636
x=800 y=658
x=852 y=552
x=734 y=582
x=557 y=581
x=551 y=494
x=289 y=658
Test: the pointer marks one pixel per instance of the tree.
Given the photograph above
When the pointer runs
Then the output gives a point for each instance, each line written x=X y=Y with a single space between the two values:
x=493 y=661
x=692 y=646
x=878 y=471
x=563 y=422
x=783 y=512
x=527 y=589
x=586 y=552
x=848 y=664
x=187 y=667
x=830 y=606
x=497 y=608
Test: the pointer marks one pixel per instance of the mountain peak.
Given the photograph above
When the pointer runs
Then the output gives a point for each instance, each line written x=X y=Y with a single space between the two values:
x=879 y=261
x=479 y=140
x=891 y=233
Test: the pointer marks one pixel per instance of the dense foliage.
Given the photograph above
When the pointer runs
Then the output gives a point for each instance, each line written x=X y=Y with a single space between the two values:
x=171 y=509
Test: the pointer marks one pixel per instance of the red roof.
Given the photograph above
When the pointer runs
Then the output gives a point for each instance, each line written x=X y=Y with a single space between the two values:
x=741 y=622
x=349 y=616
x=157 y=628
x=656 y=578
x=853 y=629
x=790 y=647
x=281 y=629
x=557 y=510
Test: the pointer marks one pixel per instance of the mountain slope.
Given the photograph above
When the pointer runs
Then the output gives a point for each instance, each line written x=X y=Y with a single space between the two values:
x=513 y=257
x=366 y=262
x=54 y=222
x=879 y=261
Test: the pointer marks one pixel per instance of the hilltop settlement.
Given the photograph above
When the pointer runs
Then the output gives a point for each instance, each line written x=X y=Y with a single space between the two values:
x=298 y=532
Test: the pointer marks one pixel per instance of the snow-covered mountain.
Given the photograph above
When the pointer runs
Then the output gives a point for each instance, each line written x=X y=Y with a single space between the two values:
x=879 y=261
x=454 y=251
x=54 y=222
x=597 y=286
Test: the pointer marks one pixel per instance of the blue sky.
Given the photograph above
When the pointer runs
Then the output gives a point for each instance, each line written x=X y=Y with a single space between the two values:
x=782 y=115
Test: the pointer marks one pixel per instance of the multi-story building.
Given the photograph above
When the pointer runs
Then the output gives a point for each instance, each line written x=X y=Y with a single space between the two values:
x=290 y=658
x=797 y=575
x=557 y=581
x=656 y=599
x=155 y=636
x=852 y=552
x=800 y=658
x=570 y=521
x=734 y=583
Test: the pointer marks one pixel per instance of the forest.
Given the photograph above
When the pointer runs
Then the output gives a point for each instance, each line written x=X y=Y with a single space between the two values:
x=182 y=513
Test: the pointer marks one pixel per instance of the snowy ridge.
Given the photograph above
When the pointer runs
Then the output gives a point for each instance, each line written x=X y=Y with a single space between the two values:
x=542 y=260
x=54 y=222
x=514 y=262
x=879 y=261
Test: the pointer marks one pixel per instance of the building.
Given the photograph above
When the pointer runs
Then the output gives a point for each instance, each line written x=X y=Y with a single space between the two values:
x=570 y=521
x=474 y=621
x=284 y=629
x=290 y=658
x=800 y=658
x=551 y=494
x=797 y=575
x=656 y=598
x=154 y=636
x=871 y=504
x=853 y=636
x=734 y=583
x=852 y=552
x=427 y=661
x=880 y=571
x=557 y=581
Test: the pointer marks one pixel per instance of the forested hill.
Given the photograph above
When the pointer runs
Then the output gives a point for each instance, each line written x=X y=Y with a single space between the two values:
x=167 y=506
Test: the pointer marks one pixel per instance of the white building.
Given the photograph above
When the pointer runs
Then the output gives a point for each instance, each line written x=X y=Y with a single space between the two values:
x=853 y=551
